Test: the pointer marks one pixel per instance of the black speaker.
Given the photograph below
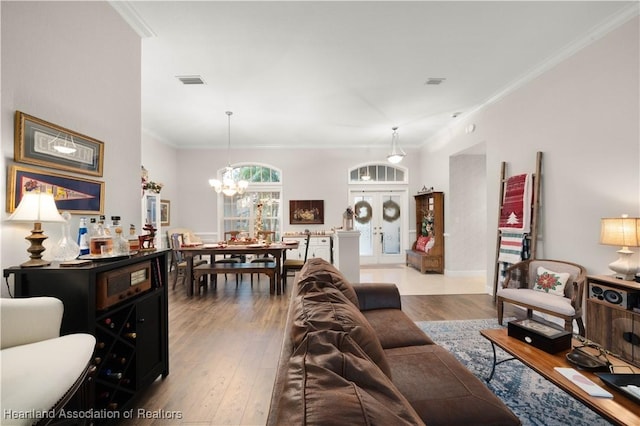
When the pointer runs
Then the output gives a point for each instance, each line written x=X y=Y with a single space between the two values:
x=615 y=296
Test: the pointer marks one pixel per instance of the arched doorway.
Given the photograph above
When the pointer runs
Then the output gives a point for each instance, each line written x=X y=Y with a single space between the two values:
x=378 y=194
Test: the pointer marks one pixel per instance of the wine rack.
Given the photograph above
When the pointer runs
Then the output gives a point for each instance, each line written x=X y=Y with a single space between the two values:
x=114 y=357
x=131 y=334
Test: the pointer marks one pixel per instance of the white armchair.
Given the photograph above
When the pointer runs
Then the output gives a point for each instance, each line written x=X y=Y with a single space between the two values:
x=554 y=287
x=41 y=370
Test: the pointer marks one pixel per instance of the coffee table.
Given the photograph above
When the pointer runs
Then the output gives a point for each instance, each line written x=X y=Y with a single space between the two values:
x=620 y=410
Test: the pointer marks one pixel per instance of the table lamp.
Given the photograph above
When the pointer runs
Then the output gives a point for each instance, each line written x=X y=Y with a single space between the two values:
x=621 y=231
x=36 y=207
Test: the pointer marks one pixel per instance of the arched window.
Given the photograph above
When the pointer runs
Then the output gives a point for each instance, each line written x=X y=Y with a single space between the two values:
x=378 y=173
x=242 y=212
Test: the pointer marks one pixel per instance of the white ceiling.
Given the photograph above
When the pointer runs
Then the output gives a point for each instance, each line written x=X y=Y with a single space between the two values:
x=333 y=73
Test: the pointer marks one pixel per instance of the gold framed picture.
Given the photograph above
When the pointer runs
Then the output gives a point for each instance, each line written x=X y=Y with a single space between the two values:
x=77 y=195
x=45 y=144
x=165 y=212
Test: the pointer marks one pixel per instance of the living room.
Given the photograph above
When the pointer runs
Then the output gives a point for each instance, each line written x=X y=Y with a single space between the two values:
x=562 y=112
x=78 y=64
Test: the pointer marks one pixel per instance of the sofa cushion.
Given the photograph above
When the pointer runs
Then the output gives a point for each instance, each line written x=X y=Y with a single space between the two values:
x=443 y=391
x=394 y=328
x=320 y=306
x=330 y=380
x=318 y=269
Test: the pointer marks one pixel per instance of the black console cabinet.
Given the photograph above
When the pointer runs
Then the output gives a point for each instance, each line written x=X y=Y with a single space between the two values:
x=132 y=347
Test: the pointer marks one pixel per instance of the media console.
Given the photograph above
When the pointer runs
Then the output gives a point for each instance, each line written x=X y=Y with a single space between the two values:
x=123 y=303
x=613 y=315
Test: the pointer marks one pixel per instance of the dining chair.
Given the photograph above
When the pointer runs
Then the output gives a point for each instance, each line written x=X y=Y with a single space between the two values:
x=292 y=265
x=178 y=263
x=232 y=235
x=268 y=237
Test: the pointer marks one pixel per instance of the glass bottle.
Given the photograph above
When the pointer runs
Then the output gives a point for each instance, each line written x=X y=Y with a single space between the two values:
x=66 y=249
x=134 y=242
x=101 y=243
x=106 y=229
x=120 y=244
x=83 y=237
x=93 y=227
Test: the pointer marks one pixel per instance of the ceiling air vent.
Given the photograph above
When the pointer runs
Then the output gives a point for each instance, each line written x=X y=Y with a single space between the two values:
x=434 y=81
x=190 y=79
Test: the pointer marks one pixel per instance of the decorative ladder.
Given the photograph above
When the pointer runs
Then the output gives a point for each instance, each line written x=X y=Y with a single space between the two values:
x=535 y=203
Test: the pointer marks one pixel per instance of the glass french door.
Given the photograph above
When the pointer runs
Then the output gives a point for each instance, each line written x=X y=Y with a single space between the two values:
x=380 y=217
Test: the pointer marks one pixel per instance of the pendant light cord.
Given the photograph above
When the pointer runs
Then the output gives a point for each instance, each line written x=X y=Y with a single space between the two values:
x=228 y=138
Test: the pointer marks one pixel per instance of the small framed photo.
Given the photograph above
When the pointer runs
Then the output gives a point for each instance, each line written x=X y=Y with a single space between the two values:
x=45 y=144
x=75 y=195
x=303 y=212
x=165 y=212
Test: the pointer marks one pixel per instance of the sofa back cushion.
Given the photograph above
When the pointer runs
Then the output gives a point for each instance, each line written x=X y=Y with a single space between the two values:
x=330 y=380
x=318 y=269
x=320 y=306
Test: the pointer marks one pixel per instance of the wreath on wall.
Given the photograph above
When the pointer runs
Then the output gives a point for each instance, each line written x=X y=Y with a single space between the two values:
x=363 y=212
x=390 y=211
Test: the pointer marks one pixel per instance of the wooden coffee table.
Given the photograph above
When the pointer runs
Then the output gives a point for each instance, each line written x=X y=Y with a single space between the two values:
x=620 y=410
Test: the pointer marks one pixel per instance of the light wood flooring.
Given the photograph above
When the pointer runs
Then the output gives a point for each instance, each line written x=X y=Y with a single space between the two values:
x=224 y=347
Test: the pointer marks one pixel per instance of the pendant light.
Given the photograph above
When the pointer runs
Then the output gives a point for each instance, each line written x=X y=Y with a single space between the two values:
x=229 y=185
x=397 y=154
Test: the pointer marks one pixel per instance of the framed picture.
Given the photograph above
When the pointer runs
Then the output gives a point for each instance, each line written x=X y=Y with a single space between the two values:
x=44 y=144
x=165 y=212
x=302 y=212
x=75 y=195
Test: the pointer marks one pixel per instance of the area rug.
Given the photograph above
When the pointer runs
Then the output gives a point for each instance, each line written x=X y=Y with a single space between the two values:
x=530 y=396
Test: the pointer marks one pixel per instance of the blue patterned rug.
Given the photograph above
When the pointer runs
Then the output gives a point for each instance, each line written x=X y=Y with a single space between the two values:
x=536 y=401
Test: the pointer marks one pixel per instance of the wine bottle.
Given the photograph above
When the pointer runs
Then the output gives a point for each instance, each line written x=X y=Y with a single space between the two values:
x=131 y=335
x=109 y=323
x=83 y=238
x=112 y=374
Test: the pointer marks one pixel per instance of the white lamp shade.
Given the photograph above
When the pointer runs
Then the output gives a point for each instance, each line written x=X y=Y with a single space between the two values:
x=620 y=231
x=397 y=154
x=36 y=207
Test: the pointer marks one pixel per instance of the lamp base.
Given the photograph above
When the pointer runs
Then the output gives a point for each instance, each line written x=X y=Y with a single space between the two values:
x=35 y=263
x=36 y=248
x=624 y=267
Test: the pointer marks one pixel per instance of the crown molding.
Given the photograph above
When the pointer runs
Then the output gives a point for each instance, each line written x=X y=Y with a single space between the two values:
x=133 y=18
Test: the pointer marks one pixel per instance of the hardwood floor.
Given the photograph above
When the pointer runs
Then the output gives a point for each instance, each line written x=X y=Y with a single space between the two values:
x=224 y=346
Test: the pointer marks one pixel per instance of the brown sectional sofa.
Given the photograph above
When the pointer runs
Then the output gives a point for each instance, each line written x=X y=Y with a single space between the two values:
x=350 y=356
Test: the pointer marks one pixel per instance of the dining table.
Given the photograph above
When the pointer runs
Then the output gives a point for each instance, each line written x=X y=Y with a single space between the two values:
x=277 y=250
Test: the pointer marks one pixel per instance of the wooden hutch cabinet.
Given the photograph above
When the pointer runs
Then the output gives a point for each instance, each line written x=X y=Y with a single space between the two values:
x=430 y=223
x=123 y=303
x=612 y=320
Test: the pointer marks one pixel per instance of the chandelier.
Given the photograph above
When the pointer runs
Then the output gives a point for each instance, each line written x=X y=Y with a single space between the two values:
x=397 y=154
x=230 y=184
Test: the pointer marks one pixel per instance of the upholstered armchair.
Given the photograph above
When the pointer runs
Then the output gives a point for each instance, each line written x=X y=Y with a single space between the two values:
x=41 y=370
x=550 y=286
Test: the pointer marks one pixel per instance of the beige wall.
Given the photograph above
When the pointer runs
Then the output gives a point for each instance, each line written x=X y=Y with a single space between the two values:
x=583 y=115
x=75 y=64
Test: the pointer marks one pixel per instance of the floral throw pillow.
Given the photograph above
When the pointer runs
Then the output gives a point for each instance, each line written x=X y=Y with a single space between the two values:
x=422 y=243
x=551 y=282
